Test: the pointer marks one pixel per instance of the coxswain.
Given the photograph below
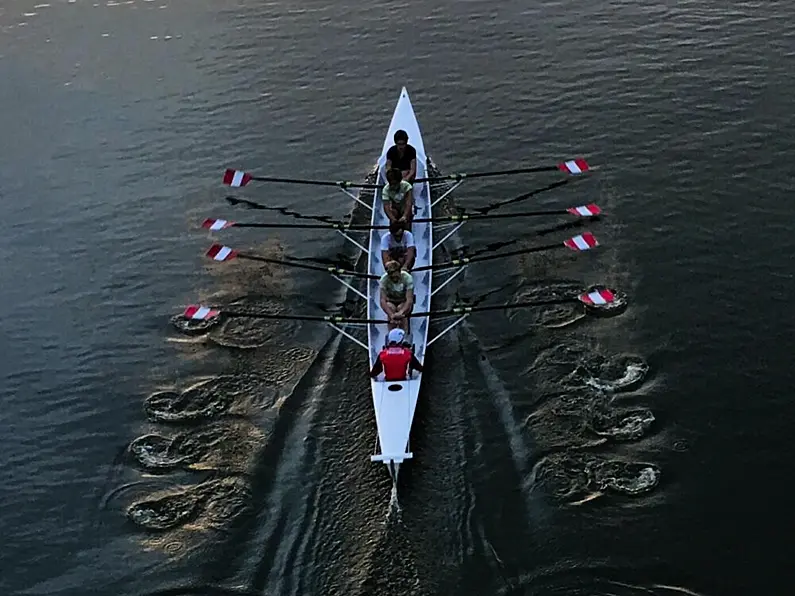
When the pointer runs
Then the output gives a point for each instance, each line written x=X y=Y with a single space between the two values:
x=395 y=360
x=396 y=295
x=402 y=156
x=398 y=245
x=398 y=198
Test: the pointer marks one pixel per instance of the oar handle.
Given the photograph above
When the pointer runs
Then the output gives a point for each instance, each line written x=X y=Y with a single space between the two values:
x=328 y=269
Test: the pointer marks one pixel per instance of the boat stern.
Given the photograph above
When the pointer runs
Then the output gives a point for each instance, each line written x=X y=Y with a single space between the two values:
x=394 y=403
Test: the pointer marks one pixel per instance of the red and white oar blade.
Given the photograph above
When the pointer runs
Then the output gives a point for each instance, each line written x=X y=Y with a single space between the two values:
x=574 y=166
x=197 y=312
x=236 y=178
x=217 y=224
x=597 y=297
x=219 y=252
x=585 y=241
x=591 y=210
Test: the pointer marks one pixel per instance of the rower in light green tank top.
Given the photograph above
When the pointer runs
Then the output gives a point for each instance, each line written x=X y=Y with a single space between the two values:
x=398 y=199
x=396 y=195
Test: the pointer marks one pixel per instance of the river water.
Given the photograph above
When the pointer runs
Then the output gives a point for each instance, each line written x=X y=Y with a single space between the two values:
x=645 y=453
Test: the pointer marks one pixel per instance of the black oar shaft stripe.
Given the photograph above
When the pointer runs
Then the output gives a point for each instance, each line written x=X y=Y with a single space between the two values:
x=327 y=269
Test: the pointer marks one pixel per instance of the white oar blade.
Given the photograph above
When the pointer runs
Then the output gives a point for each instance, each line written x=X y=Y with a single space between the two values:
x=591 y=210
x=217 y=224
x=236 y=178
x=597 y=297
x=219 y=252
x=197 y=312
x=574 y=166
x=582 y=242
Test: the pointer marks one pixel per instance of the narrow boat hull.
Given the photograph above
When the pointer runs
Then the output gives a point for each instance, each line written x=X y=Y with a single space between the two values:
x=396 y=402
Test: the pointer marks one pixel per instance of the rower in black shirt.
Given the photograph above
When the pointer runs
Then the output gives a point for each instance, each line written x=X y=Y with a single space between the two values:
x=402 y=156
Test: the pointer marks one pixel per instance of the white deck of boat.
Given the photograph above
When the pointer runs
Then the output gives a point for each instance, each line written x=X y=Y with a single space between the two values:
x=395 y=403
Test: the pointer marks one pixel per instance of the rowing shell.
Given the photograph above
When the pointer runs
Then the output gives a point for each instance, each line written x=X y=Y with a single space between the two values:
x=396 y=402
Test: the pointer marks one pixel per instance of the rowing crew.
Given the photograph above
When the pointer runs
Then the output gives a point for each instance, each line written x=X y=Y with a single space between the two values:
x=398 y=253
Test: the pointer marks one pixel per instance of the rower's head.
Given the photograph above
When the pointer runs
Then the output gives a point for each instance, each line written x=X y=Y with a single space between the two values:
x=395 y=337
x=393 y=270
x=401 y=139
x=393 y=177
x=396 y=229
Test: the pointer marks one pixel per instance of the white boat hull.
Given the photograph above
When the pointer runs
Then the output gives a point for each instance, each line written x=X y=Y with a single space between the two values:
x=396 y=402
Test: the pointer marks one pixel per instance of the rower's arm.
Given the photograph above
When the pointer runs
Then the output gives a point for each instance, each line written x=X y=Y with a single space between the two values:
x=409 y=201
x=384 y=304
x=412 y=170
x=389 y=209
x=408 y=303
x=377 y=367
x=415 y=364
x=411 y=256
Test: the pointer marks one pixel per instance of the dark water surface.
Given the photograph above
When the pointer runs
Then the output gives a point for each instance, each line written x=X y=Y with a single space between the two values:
x=141 y=461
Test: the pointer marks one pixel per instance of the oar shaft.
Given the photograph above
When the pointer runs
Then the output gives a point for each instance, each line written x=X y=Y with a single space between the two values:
x=289 y=317
x=468 y=260
x=332 y=270
x=475 y=216
x=340 y=184
x=462 y=310
x=463 y=176
x=523 y=197
x=316 y=226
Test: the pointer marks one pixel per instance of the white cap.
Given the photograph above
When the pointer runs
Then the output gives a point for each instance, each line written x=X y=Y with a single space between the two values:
x=395 y=336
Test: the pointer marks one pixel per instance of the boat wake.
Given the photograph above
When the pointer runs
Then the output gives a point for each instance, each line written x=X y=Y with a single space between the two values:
x=270 y=468
x=210 y=398
x=220 y=445
x=208 y=504
x=587 y=581
x=579 y=477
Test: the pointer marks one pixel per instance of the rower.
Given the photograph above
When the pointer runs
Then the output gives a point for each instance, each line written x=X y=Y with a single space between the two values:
x=396 y=289
x=398 y=245
x=402 y=156
x=396 y=360
x=398 y=198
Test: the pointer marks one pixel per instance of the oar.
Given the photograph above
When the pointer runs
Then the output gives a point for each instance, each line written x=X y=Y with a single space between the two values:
x=197 y=312
x=597 y=296
x=574 y=167
x=282 y=210
x=579 y=243
x=221 y=253
x=522 y=197
x=591 y=210
x=240 y=178
x=221 y=224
